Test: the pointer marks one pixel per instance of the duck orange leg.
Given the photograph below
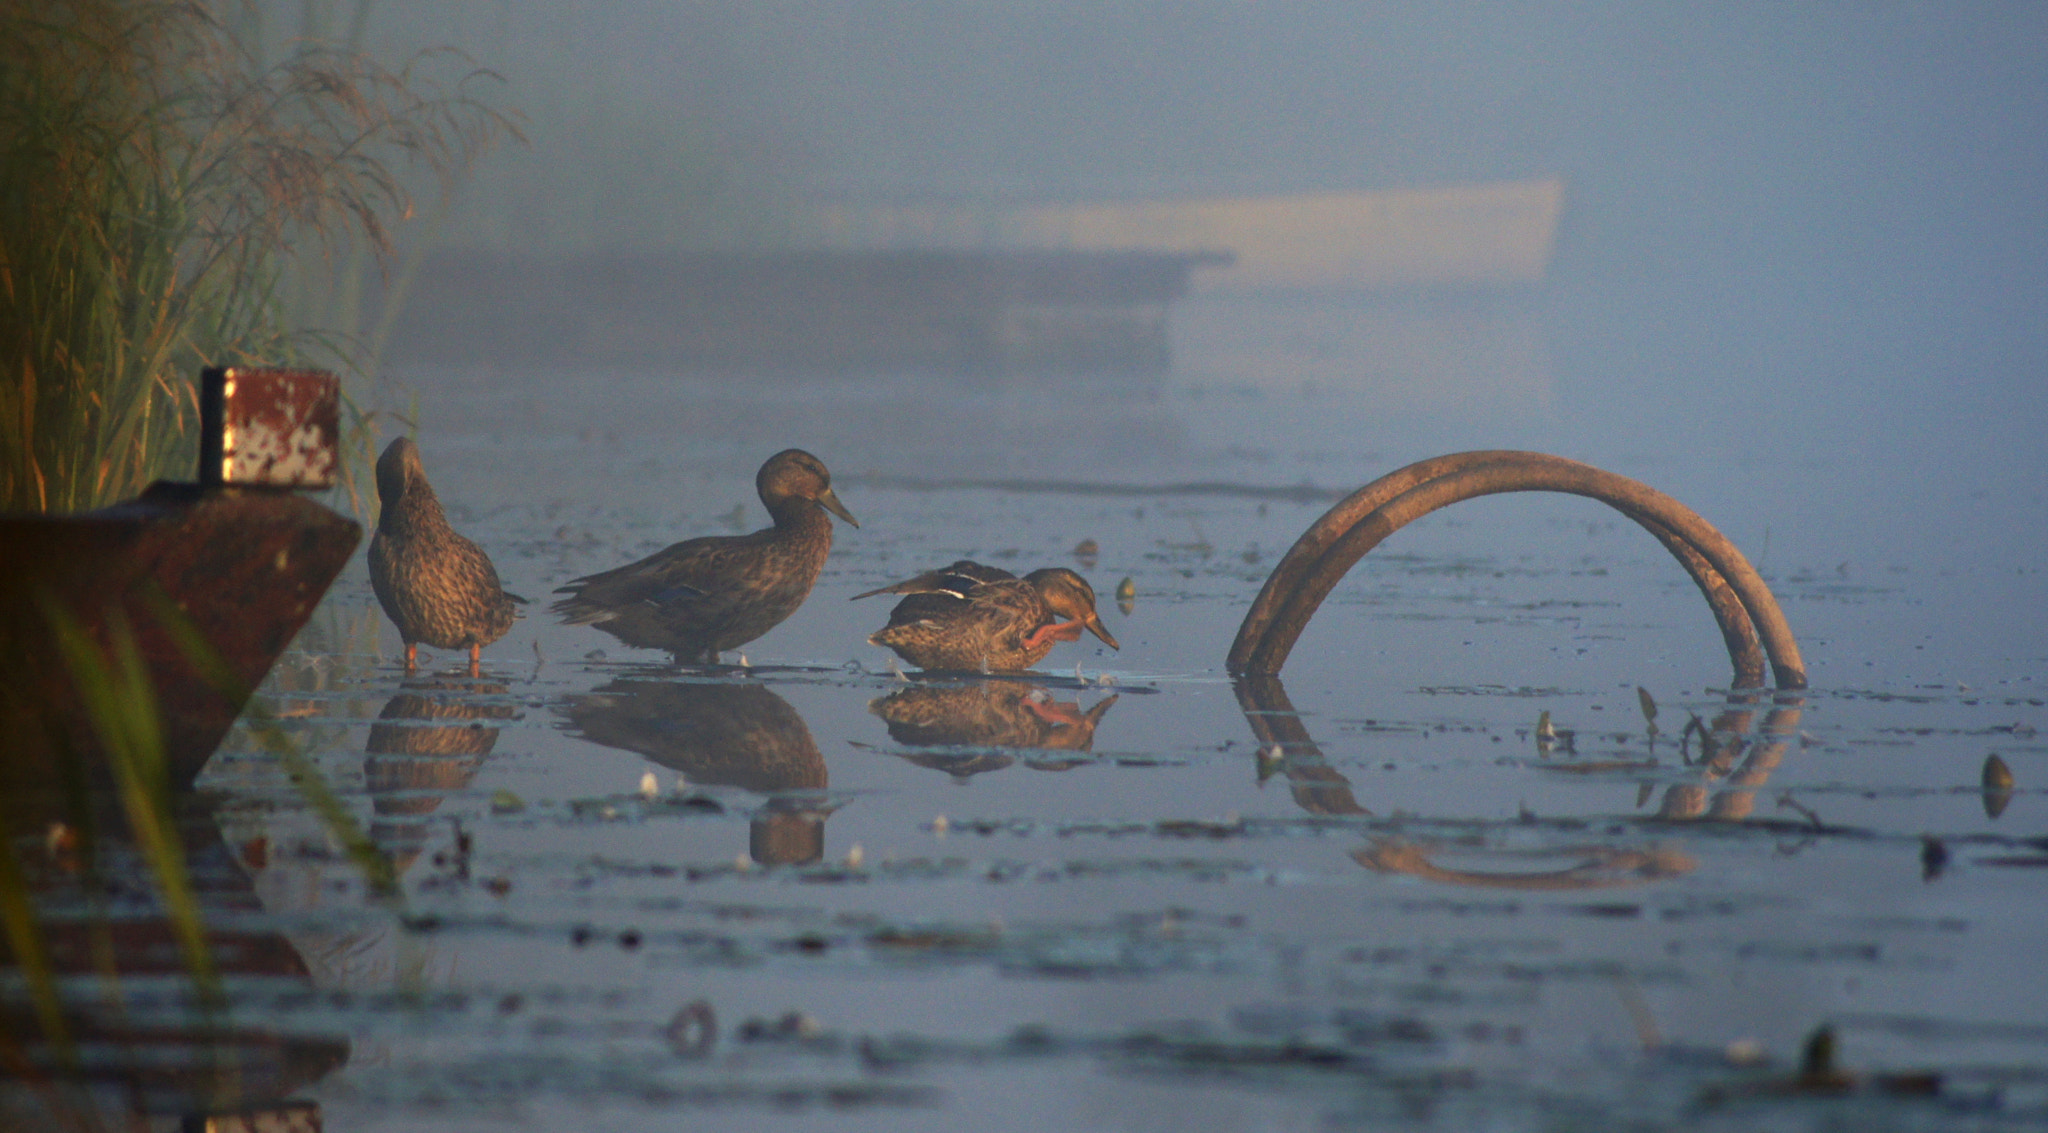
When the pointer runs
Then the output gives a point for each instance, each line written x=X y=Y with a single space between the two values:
x=412 y=657
x=476 y=658
x=1053 y=632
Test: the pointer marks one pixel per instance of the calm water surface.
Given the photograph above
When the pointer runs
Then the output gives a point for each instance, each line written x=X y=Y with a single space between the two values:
x=1087 y=900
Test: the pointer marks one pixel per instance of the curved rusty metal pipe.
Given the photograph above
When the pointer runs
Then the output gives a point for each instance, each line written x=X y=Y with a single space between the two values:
x=1741 y=602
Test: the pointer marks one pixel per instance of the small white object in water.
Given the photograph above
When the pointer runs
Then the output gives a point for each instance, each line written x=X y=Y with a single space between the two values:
x=649 y=787
x=742 y=863
x=854 y=856
x=682 y=783
x=1745 y=1052
x=939 y=826
x=744 y=663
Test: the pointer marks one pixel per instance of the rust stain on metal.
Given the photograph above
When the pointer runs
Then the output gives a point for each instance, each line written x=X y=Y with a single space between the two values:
x=213 y=554
x=269 y=428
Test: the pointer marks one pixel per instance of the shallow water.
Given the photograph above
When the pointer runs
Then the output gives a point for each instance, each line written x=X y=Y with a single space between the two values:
x=1096 y=899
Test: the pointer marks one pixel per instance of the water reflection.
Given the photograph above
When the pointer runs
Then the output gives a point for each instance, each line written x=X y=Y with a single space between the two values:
x=721 y=733
x=987 y=713
x=1285 y=747
x=146 y=1049
x=1592 y=867
x=429 y=740
x=1733 y=763
x=1735 y=759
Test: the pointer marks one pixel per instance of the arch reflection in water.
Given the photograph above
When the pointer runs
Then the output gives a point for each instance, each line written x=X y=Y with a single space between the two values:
x=429 y=740
x=1736 y=758
x=721 y=733
x=972 y=716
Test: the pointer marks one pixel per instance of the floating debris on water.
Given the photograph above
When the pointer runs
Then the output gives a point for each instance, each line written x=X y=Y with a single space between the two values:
x=505 y=802
x=693 y=1031
x=649 y=785
x=1998 y=786
x=1933 y=857
x=1087 y=551
x=1649 y=704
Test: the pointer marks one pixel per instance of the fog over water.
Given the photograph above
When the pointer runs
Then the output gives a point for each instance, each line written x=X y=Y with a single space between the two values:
x=1817 y=211
x=1795 y=278
x=1802 y=250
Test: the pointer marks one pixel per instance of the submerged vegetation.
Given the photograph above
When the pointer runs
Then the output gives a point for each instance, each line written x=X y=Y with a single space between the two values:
x=158 y=188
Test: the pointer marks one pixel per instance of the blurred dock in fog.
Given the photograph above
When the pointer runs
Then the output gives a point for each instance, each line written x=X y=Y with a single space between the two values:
x=1455 y=236
x=991 y=290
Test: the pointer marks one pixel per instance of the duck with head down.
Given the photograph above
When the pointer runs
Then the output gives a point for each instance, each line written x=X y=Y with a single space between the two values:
x=436 y=586
x=974 y=618
x=703 y=596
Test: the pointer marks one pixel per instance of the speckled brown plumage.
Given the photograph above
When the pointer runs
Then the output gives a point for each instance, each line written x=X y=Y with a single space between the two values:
x=975 y=618
x=715 y=733
x=703 y=596
x=437 y=587
x=988 y=713
x=733 y=734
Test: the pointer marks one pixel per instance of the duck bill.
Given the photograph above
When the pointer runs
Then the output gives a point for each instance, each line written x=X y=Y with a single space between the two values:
x=829 y=500
x=1094 y=623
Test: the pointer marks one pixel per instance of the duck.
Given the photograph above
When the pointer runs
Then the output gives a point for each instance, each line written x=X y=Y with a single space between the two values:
x=1014 y=713
x=437 y=587
x=705 y=596
x=970 y=617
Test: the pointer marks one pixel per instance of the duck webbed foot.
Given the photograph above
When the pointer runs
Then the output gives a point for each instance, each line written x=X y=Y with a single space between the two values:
x=1052 y=632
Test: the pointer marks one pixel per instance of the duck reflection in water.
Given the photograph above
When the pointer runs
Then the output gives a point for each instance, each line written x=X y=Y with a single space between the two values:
x=721 y=733
x=987 y=713
x=429 y=740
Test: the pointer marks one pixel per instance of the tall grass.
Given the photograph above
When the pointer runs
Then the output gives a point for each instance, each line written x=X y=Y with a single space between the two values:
x=156 y=186
x=120 y=702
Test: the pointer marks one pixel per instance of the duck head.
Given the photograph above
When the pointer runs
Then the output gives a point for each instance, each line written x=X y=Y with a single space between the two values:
x=794 y=474
x=1069 y=595
x=397 y=468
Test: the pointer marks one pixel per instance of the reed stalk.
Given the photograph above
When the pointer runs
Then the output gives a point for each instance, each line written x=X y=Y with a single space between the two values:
x=157 y=185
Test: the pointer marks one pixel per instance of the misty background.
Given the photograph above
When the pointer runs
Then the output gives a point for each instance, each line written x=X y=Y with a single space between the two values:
x=1776 y=218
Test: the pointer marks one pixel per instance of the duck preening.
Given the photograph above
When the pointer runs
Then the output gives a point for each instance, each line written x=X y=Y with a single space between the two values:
x=704 y=596
x=437 y=587
x=975 y=618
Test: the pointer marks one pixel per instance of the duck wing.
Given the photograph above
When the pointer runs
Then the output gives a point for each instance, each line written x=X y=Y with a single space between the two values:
x=958 y=579
x=987 y=606
x=696 y=571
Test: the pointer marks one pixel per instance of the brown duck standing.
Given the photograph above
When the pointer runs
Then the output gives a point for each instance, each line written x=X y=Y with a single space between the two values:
x=701 y=597
x=436 y=586
x=974 y=618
